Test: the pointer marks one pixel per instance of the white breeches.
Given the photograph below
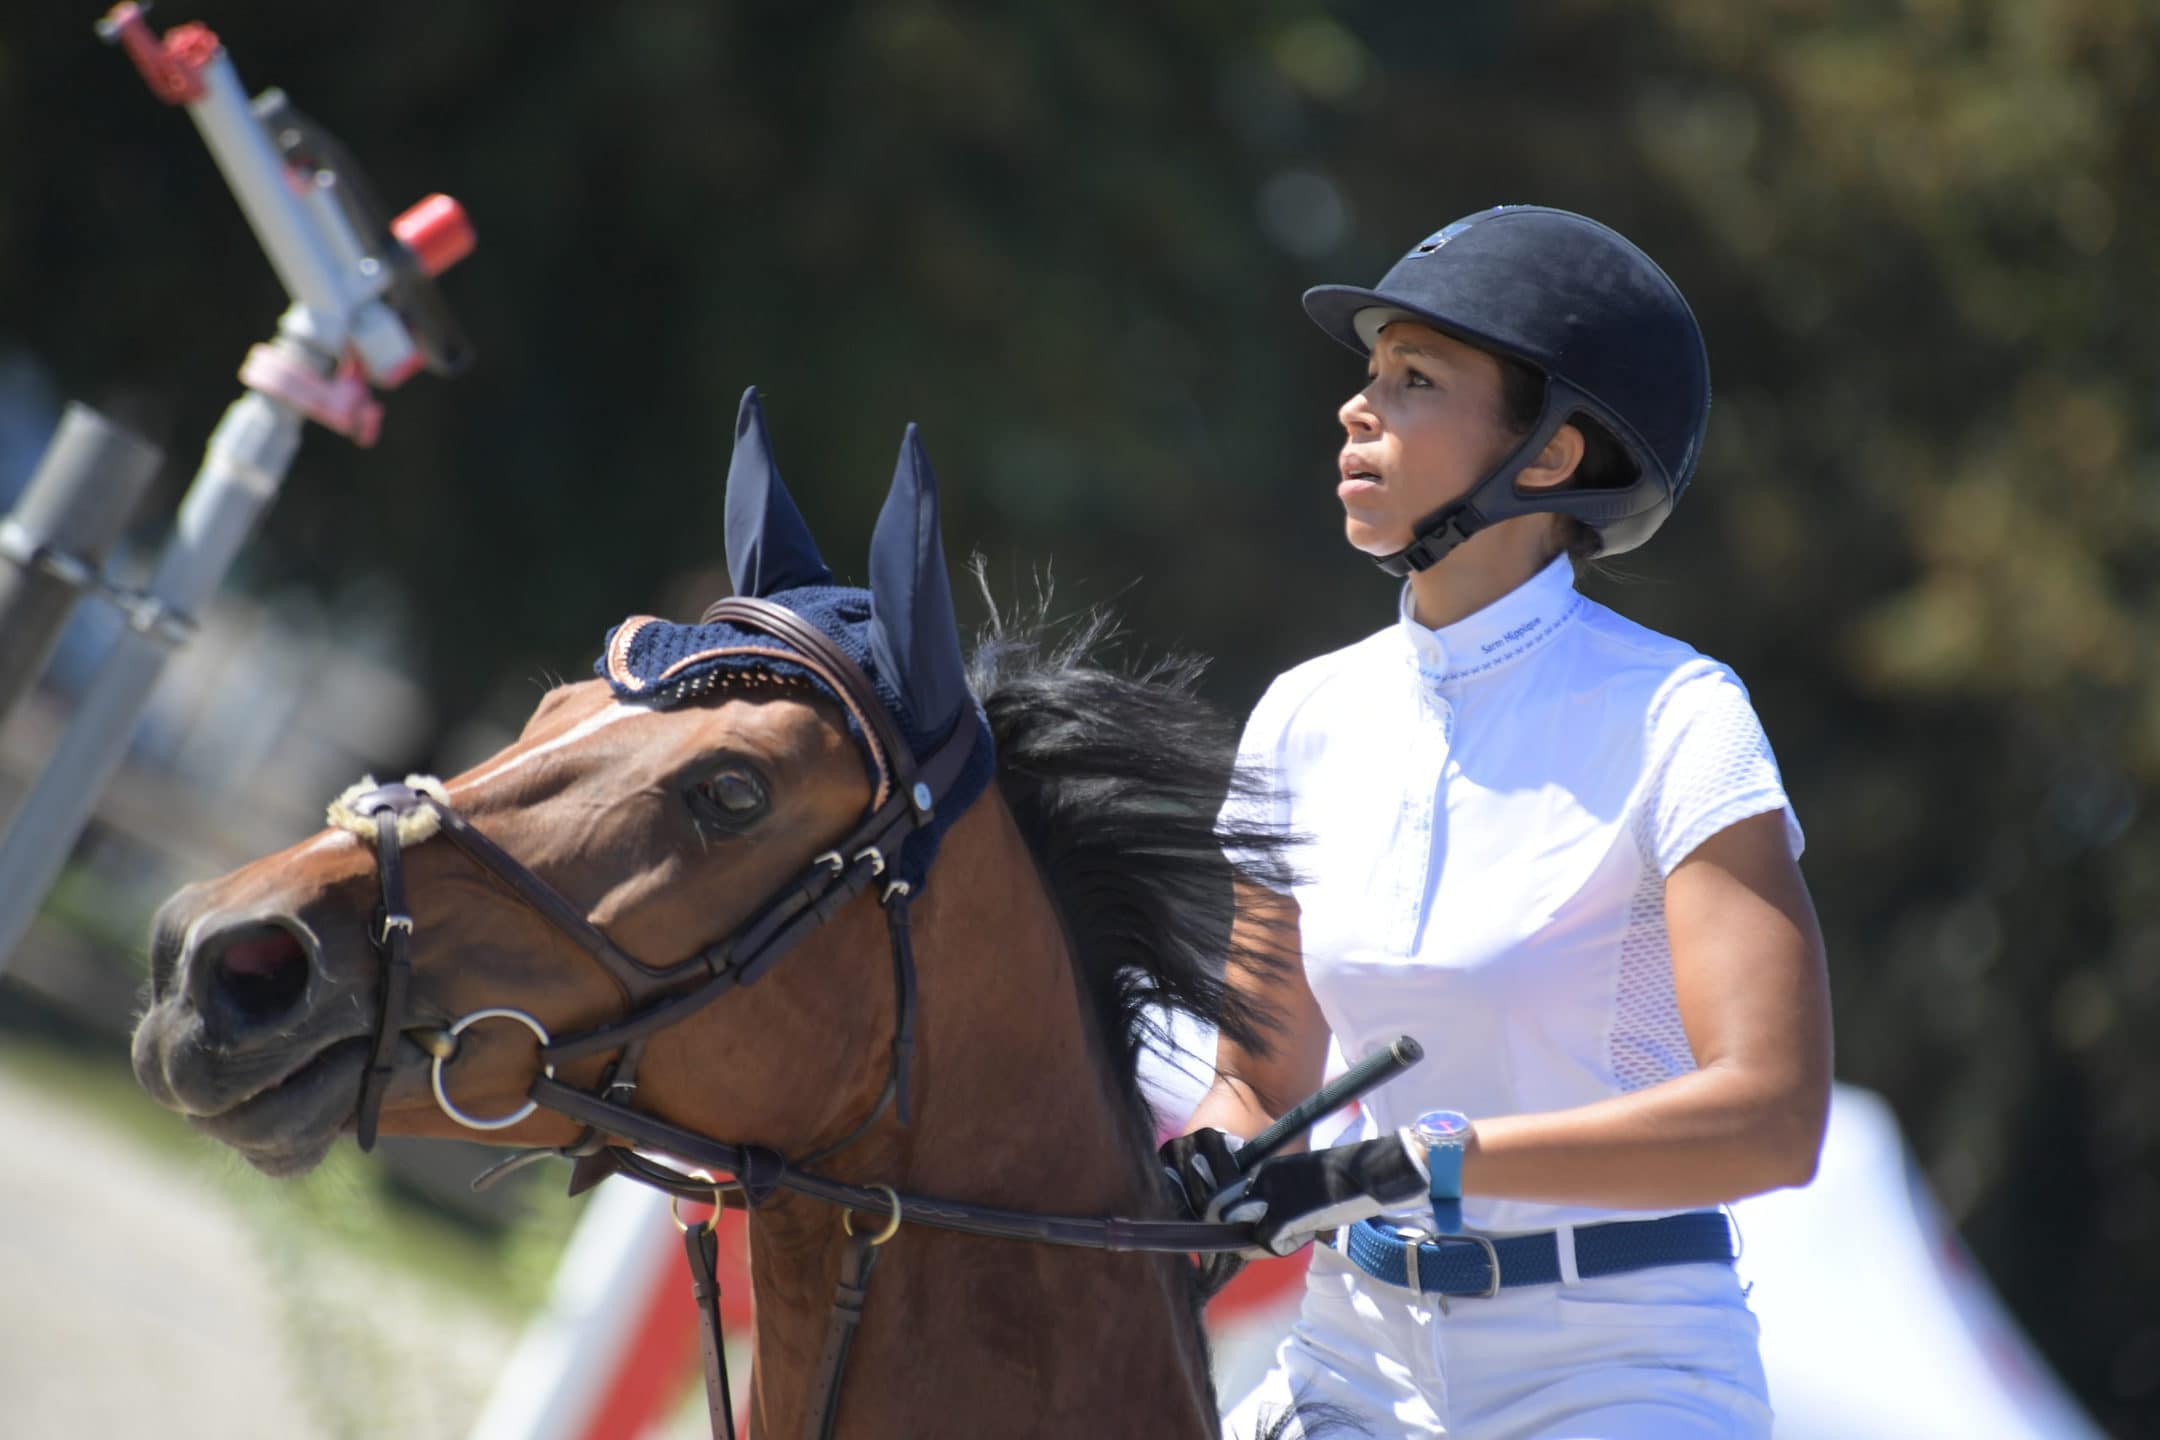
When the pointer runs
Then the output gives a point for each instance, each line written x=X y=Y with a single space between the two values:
x=1662 y=1354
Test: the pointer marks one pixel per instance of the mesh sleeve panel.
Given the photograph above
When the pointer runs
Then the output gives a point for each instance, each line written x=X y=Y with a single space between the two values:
x=1649 y=1044
x=1711 y=767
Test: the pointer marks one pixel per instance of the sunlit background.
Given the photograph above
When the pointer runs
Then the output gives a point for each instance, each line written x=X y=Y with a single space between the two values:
x=1069 y=240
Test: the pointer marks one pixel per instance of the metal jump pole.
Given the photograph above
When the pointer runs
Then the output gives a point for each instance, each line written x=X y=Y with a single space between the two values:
x=88 y=483
x=364 y=314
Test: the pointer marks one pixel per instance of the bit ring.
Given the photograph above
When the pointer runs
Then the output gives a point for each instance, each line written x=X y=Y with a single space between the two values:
x=435 y=1071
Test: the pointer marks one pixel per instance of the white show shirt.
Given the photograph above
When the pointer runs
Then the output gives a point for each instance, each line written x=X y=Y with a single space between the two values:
x=1488 y=813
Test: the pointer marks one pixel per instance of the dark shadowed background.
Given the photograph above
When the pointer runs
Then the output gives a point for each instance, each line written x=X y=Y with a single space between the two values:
x=1069 y=239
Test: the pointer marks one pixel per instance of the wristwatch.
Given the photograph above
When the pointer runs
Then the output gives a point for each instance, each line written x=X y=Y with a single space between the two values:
x=1443 y=1133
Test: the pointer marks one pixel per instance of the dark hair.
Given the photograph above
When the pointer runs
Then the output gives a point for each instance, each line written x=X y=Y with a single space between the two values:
x=1604 y=465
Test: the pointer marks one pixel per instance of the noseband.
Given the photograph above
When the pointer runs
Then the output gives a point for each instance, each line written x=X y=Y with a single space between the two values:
x=655 y=997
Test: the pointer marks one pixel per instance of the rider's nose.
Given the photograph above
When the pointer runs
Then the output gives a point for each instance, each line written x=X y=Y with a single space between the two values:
x=249 y=977
x=1356 y=415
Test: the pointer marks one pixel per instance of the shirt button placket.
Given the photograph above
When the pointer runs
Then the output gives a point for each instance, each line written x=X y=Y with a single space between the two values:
x=1414 y=863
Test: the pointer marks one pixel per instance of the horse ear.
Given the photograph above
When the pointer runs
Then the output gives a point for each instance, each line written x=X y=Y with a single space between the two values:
x=769 y=548
x=912 y=630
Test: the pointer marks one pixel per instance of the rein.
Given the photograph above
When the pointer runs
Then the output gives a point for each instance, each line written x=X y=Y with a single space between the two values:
x=657 y=997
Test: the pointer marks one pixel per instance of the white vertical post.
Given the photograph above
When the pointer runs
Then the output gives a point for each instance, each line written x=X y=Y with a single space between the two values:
x=242 y=468
x=571 y=1352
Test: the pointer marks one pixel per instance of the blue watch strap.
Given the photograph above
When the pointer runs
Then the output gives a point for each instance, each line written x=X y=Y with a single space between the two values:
x=1443 y=1165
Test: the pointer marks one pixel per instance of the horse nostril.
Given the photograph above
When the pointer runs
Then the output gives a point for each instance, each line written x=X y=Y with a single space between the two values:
x=259 y=972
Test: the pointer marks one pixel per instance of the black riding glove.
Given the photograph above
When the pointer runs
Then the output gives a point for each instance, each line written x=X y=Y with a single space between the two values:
x=1290 y=1198
x=1198 y=1166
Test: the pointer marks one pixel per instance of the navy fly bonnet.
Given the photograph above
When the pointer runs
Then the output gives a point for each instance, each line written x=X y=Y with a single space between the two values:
x=900 y=631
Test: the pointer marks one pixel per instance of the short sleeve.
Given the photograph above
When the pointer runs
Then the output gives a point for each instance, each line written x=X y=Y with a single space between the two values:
x=1710 y=767
x=1256 y=809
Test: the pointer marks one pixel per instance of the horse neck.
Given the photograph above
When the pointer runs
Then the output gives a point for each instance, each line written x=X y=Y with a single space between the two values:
x=1015 y=1107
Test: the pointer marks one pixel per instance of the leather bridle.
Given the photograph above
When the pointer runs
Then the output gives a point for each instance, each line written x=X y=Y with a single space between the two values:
x=655 y=997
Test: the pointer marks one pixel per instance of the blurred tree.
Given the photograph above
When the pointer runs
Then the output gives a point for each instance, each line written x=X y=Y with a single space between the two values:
x=1069 y=240
x=1926 y=226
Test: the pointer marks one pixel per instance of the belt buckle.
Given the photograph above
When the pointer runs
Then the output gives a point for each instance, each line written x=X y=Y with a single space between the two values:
x=1492 y=1261
x=1411 y=1239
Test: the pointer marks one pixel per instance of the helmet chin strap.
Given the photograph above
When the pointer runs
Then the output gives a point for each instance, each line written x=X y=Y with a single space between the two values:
x=1490 y=501
x=1436 y=535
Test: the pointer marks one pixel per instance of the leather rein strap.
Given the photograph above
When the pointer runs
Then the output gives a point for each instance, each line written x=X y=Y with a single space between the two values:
x=759 y=1171
x=702 y=1247
x=657 y=997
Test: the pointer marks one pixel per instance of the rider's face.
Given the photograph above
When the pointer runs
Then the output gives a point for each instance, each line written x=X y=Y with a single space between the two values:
x=1425 y=428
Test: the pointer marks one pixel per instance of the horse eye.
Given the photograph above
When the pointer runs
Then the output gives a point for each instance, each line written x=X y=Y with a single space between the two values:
x=730 y=795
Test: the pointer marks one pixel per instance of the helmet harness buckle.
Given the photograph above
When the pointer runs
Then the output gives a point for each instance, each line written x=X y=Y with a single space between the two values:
x=1493 y=498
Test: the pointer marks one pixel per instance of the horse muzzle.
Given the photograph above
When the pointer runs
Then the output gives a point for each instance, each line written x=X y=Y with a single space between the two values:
x=249 y=1036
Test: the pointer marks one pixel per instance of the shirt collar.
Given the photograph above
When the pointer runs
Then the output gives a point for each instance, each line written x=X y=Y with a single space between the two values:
x=1516 y=623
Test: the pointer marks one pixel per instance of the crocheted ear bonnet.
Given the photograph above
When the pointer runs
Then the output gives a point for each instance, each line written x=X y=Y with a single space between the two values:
x=900 y=630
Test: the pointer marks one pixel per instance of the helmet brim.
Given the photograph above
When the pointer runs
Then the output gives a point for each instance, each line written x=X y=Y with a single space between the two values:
x=1336 y=308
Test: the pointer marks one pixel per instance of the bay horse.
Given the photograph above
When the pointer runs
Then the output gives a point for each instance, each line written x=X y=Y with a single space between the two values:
x=765 y=792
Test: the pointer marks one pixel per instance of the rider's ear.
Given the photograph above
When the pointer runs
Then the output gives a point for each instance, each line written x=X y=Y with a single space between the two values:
x=912 y=631
x=769 y=548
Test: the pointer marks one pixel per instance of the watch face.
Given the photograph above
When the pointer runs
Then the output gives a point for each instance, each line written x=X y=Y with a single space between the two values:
x=1438 y=1127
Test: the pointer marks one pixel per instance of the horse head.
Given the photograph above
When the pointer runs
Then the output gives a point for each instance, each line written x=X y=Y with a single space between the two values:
x=691 y=894
x=658 y=810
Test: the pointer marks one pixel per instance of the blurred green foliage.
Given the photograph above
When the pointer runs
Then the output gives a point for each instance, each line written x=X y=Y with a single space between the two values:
x=1069 y=239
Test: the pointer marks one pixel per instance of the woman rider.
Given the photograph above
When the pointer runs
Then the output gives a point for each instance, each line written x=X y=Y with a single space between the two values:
x=1552 y=845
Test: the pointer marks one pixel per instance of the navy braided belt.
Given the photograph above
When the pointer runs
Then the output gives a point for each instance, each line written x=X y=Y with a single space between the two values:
x=1461 y=1265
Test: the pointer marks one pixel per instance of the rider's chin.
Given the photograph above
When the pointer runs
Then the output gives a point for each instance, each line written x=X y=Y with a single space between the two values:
x=1376 y=536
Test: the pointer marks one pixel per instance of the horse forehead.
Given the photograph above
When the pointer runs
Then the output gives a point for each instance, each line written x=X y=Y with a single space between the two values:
x=783 y=726
x=564 y=703
x=576 y=724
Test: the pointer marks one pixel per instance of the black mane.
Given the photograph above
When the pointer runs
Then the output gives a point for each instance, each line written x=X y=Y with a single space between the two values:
x=1117 y=777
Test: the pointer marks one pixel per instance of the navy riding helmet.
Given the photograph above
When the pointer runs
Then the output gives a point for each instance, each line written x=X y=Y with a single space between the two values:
x=1595 y=316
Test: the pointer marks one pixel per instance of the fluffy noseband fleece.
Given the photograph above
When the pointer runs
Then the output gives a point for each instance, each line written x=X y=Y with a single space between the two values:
x=413 y=826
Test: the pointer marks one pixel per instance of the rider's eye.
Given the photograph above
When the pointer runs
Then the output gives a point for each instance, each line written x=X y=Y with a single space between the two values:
x=731 y=797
